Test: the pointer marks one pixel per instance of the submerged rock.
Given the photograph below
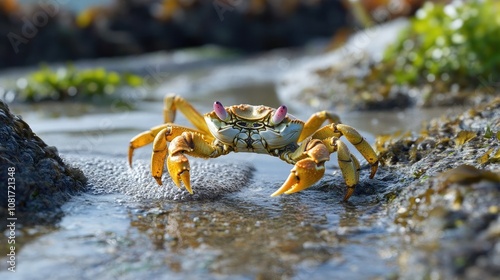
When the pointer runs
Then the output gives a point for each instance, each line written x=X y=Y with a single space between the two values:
x=32 y=174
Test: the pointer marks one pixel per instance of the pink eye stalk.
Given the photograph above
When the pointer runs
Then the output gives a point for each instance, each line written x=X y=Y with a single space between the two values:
x=220 y=111
x=279 y=115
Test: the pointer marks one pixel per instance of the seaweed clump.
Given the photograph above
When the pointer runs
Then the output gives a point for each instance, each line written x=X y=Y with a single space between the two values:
x=450 y=48
x=71 y=84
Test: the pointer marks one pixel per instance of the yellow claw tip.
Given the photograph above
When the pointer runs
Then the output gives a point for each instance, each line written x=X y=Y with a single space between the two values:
x=281 y=190
x=290 y=191
x=374 y=170
x=158 y=180
x=348 y=193
x=176 y=181
x=299 y=186
x=185 y=178
x=130 y=153
x=276 y=193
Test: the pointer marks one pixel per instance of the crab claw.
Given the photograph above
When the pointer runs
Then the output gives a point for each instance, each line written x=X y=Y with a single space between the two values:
x=305 y=173
x=178 y=167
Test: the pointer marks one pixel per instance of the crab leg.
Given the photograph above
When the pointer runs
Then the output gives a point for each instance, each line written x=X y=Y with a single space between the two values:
x=309 y=167
x=353 y=136
x=348 y=164
x=167 y=134
x=149 y=136
x=315 y=122
x=172 y=103
x=194 y=144
x=143 y=139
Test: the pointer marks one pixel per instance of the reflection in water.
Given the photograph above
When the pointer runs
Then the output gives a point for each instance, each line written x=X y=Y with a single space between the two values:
x=247 y=240
x=290 y=237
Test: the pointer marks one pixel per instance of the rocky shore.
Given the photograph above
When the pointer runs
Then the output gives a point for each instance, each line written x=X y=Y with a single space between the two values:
x=446 y=205
x=42 y=181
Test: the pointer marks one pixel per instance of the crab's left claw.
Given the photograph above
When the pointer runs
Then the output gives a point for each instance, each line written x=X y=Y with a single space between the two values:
x=305 y=173
x=178 y=167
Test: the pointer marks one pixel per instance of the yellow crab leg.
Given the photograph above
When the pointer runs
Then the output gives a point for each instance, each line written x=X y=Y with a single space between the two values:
x=353 y=136
x=149 y=136
x=357 y=167
x=316 y=121
x=171 y=103
x=349 y=166
x=143 y=139
x=159 y=154
x=194 y=144
x=165 y=135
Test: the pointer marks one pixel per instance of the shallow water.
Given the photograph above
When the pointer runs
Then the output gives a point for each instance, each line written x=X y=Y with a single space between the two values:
x=244 y=235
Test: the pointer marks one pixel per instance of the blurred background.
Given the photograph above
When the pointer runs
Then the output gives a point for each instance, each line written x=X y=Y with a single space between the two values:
x=61 y=30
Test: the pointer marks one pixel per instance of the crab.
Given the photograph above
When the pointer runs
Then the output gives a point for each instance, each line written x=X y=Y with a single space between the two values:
x=254 y=129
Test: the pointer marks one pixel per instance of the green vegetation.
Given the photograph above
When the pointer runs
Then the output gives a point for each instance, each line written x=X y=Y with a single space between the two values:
x=449 y=44
x=69 y=83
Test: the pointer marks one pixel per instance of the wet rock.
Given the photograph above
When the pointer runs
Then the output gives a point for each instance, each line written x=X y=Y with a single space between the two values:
x=447 y=205
x=208 y=180
x=367 y=190
x=41 y=180
x=453 y=229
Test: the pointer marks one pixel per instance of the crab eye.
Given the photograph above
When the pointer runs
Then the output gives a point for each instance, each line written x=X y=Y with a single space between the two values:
x=219 y=110
x=279 y=115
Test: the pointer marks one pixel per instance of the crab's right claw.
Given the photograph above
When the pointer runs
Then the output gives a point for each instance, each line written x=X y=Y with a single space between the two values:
x=304 y=174
x=178 y=167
